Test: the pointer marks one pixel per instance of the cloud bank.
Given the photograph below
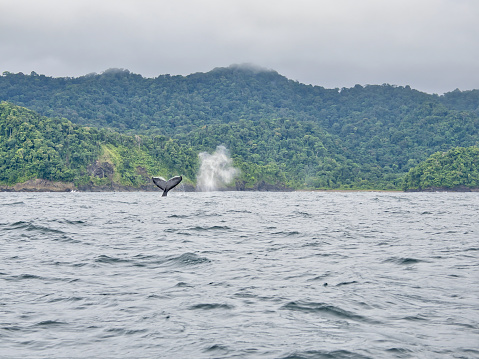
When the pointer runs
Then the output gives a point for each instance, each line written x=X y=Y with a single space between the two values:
x=429 y=44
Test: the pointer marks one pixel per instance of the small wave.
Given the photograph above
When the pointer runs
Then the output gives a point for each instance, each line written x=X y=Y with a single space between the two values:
x=177 y=230
x=142 y=260
x=415 y=318
x=303 y=214
x=323 y=354
x=182 y=231
x=27 y=276
x=65 y=238
x=145 y=257
x=79 y=264
x=123 y=331
x=50 y=323
x=208 y=306
x=346 y=283
x=112 y=260
x=30 y=227
x=73 y=222
x=15 y=225
x=212 y=228
x=287 y=233
x=217 y=347
x=22 y=277
x=401 y=352
x=320 y=277
x=313 y=244
x=67 y=299
x=178 y=216
x=183 y=285
x=202 y=213
x=404 y=261
x=323 y=308
x=12 y=203
x=188 y=259
x=474 y=352
x=12 y=328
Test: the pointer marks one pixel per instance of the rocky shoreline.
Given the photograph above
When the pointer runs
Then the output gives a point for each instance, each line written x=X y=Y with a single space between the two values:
x=39 y=185
x=42 y=185
x=444 y=189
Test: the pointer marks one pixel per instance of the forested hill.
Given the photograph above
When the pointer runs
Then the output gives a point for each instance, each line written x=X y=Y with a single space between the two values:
x=178 y=104
x=372 y=134
x=36 y=147
x=456 y=169
x=271 y=154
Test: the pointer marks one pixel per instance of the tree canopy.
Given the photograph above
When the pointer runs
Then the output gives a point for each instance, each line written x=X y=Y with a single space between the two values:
x=277 y=130
x=457 y=168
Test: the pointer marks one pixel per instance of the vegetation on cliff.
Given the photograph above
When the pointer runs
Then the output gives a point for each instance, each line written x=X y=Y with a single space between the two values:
x=279 y=153
x=33 y=146
x=456 y=169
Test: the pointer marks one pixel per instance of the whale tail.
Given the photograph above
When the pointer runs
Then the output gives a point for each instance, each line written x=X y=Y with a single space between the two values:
x=167 y=185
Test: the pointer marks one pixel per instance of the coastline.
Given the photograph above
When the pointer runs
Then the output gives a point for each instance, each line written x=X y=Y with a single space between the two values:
x=42 y=185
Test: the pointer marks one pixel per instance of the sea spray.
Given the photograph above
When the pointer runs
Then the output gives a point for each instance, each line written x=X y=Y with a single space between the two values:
x=216 y=170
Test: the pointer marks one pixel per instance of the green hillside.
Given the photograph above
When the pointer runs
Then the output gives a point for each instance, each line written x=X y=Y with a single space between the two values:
x=276 y=153
x=387 y=125
x=278 y=131
x=33 y=146
x=178 y=104
x=455 y=169
x=298 y=154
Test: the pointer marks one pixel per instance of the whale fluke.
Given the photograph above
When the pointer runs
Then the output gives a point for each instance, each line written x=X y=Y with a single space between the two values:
x=167 y=185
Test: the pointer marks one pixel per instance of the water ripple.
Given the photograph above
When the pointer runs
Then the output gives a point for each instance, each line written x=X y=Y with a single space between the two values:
x=239 y=275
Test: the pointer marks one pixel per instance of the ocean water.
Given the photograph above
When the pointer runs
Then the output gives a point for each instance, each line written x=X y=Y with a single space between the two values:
x=239 y=275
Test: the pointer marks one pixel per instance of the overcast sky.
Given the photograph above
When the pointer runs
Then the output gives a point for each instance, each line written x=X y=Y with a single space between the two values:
x=431 y=45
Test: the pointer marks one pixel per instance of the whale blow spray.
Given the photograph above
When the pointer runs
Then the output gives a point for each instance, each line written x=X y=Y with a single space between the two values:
x=216 y=170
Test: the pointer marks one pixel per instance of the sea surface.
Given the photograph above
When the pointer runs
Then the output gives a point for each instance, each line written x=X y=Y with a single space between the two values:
x=239 y=275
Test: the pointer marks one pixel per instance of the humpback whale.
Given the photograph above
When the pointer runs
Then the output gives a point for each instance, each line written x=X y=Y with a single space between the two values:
x=167 y=185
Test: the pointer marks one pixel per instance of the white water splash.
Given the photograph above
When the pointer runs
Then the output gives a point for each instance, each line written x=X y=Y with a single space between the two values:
x=216 y=170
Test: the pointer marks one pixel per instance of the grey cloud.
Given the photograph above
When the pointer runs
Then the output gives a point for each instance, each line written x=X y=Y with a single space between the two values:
x=430 y=44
